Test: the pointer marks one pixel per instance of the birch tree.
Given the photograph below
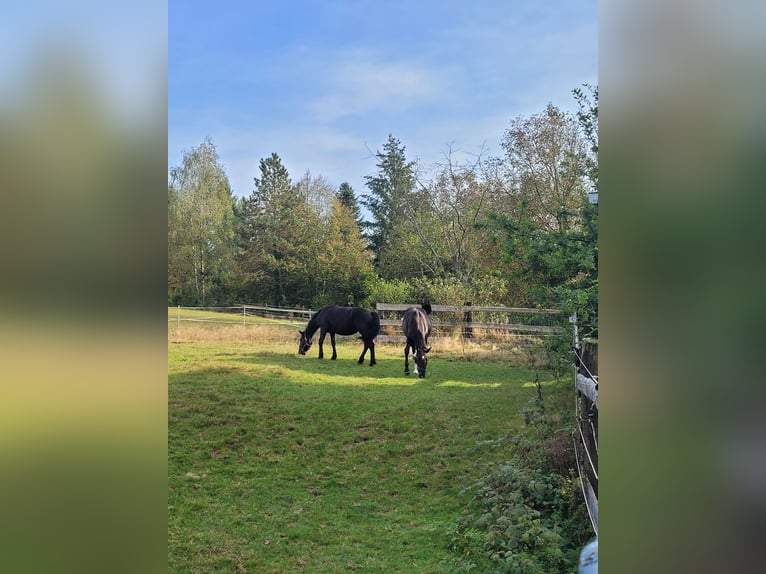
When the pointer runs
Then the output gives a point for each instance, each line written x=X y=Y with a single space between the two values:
x=200 y=226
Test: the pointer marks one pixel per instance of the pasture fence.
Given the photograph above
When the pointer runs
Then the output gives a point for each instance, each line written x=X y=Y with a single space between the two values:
x=236 y=314
x=468 y=322
x=474 y=322
x=585 y=433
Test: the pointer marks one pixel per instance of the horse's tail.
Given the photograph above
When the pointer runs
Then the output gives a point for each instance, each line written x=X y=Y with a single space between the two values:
x=375 y=323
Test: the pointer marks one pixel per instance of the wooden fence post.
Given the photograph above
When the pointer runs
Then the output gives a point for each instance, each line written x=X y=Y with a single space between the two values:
x=467 y=320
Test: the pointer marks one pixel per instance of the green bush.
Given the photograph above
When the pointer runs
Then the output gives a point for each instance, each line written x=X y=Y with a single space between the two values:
x=523 y=520
x=485 y=290
x=526 y=516
x=382 y=291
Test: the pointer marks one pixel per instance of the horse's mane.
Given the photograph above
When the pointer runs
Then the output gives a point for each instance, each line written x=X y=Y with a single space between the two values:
x=313 y=324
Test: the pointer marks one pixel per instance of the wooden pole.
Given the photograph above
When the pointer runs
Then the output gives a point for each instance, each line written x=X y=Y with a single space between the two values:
x=467 y=320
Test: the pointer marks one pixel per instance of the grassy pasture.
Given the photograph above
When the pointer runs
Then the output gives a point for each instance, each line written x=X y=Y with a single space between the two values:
x=285 y=463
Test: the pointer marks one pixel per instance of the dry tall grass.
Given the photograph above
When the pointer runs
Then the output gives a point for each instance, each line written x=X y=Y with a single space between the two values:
x=515 y=349
x=252 y=332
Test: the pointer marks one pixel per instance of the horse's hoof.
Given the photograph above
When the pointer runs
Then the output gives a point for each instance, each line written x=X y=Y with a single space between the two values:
x=406 y=372
x=359 y=362
x=371 y=364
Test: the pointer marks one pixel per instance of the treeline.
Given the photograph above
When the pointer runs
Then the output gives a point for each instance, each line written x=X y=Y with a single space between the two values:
x=516 y=230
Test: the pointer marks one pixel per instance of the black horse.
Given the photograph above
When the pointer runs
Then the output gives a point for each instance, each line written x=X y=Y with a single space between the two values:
x=342 y=321
x=417 y=327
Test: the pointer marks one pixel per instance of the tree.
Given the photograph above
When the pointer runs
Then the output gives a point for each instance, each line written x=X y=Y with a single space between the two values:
x=347 y=198
x=344 y=264
x=546 y=157
x=457 y=201
x=318 y=193
x=200 y=227
x=278 y=238
x=389 y=197
x=587 y=117
x=550 y=241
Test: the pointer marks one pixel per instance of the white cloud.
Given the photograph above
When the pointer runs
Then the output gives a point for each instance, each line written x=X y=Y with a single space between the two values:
x=364 y=84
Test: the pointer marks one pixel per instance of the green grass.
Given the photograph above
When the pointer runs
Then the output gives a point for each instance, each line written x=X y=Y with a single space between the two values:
x=285 y=463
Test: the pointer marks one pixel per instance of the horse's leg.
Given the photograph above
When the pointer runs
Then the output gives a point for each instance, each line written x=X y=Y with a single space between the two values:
x=372 y=353
x=332 y=340
x=364 y=352
x=321 y=343
x=406 y=358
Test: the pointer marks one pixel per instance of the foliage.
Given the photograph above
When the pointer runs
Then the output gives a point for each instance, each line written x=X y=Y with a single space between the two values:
x=344 y=265
x=317 y=192
x=347 y=196
x=513 y=230
x=587 y=117
x=450 y=291
x=522 y=518
x=389 y=200
x=555 y=268
x=381 y=291
x=546 y=154
x=459 y=200
x=549 y=240
x=200 y=228
x=527 y=515
x=279 y=244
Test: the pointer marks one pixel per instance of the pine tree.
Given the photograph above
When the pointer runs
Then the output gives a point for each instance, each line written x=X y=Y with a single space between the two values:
x=389 y=198
x=279 y=238
x=347 y=198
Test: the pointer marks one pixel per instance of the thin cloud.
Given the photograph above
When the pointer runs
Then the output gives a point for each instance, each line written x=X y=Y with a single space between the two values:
x=326 y=97
x=363 y=85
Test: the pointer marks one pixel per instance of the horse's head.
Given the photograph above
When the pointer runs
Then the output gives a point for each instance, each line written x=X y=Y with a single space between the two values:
x=304 y=344
x=421 y=360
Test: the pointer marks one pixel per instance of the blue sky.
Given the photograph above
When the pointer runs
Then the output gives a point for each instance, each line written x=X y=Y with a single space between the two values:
x=323 y=83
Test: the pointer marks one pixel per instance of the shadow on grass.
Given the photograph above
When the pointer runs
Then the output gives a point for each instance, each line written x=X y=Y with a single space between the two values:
x=389 y=370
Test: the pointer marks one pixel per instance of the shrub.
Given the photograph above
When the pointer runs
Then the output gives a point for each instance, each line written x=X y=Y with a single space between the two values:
x=527 y=516
x=382 y=291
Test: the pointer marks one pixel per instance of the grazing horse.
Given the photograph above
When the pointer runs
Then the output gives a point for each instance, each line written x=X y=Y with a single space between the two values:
x=342 y=321
x=417 y=326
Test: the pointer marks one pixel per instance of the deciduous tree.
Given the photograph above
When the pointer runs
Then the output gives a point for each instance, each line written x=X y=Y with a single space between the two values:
x=200 y=227
x=344 y=264
x=546 y=157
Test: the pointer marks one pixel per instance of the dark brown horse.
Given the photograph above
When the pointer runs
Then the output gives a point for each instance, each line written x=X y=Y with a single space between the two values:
x=341 y=321
x=417 y=327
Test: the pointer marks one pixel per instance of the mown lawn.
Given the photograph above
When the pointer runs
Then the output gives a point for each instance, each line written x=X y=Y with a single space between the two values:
x=285 y=463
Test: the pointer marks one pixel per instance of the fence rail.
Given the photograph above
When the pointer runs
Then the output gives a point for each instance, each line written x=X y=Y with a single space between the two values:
x=497 y=320
x=236 y=314
x=447 y=319
x=465 y=308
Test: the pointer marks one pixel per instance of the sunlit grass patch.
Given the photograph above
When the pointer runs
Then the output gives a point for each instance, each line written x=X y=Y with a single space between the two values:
x=466 y=384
